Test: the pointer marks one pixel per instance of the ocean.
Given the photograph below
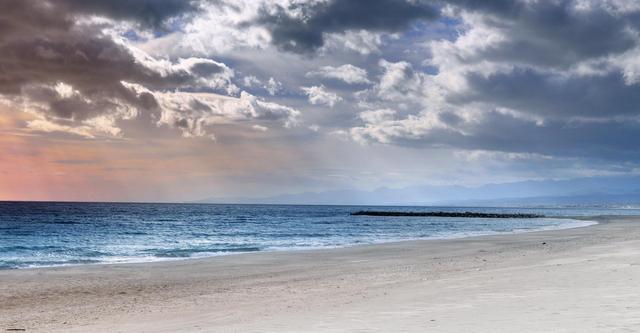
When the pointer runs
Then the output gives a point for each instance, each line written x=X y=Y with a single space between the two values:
x=37 y=234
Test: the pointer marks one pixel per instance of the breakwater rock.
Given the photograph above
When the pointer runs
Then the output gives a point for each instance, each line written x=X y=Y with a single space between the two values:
x=448 y=214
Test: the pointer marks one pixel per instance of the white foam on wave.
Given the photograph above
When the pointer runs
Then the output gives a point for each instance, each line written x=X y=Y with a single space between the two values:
x=556 y=224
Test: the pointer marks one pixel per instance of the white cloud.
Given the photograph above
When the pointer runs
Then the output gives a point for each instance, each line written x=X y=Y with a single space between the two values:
x=273 y=86
x=260 y=128
x=318 y=95
x=399 y=81
x=348 y=73
x=220 y=29
x=43 y=125
x=377 y=116
x=362 y=41
x=194 y=113
x=251 y=81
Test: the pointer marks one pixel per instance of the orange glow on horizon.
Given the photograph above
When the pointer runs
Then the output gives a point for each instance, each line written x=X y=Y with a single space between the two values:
x=54 y=166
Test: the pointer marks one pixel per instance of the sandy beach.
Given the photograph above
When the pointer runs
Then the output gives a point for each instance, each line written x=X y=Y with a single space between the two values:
x=575 y=280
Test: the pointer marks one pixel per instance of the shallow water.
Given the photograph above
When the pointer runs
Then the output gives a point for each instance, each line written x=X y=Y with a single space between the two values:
x=47 y=234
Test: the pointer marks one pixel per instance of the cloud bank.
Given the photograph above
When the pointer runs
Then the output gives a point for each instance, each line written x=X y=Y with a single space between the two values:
x=552 y=78
x=69 y=64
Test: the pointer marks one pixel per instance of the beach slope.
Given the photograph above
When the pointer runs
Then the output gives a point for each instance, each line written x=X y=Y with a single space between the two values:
x=574 y=280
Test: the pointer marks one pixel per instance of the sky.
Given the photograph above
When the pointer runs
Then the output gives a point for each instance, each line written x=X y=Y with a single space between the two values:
x=176 y=100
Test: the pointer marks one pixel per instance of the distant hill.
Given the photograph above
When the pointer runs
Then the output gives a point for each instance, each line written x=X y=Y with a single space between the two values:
x=580 y=191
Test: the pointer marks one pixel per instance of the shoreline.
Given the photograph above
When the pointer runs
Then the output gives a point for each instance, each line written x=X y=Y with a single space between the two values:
x=444 y=285
x=586 y=219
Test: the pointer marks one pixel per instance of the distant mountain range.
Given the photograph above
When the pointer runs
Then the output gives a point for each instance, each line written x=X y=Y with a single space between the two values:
x=592 y=191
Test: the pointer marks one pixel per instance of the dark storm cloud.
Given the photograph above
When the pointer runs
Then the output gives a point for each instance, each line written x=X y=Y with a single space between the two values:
x=92 y=64
x=304 y=32
x=556 y=78
x=545 y=94
x=42 y=46
x=503 y=132
x=21 y=15
x=206 y=69
x=148 y=13
x=553 y=33
x=556 y=62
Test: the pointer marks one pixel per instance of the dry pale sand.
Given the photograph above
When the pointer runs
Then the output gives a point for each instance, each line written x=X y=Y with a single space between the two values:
x=578 y=280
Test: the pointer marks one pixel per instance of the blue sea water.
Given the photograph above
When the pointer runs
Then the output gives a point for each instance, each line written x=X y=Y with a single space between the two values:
x=36 y=234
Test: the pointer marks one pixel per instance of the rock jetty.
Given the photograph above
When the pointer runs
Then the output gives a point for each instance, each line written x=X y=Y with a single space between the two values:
x=449 y=214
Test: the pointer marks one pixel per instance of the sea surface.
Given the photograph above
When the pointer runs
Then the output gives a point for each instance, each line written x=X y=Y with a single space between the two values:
x=34 y=234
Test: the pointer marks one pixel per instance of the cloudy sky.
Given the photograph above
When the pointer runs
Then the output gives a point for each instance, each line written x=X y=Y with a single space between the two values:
x=173 y=100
